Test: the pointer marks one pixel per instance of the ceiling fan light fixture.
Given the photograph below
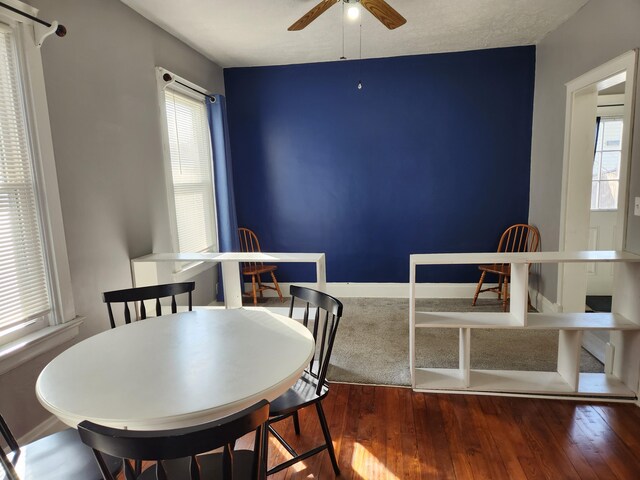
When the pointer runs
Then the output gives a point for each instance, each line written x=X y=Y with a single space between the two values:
x=353 y=13
x=380 y=9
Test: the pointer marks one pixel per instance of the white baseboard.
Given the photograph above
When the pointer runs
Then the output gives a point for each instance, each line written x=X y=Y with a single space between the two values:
x=386 y=290
x=49 y=426
x=595 y=345
x=542 y=304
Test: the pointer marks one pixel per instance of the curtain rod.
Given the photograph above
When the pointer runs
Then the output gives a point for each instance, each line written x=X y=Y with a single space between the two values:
x=168 y=78
x=61 y=31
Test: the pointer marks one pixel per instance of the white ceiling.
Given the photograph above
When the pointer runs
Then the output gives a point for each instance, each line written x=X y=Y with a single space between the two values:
x=239 y=33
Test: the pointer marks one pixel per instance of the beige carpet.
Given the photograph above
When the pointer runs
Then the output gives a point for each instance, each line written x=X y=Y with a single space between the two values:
x=372 y=345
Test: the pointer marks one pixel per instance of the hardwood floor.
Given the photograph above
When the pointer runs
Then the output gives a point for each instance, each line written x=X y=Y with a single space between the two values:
x=389 y=432
x=394 y=433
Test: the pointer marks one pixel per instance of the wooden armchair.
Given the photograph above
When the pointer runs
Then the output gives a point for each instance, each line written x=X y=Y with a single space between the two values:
x=517 y=238
x=249 y=243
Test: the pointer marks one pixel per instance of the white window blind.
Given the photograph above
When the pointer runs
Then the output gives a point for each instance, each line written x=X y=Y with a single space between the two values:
x=191 y=172
x=24 y=292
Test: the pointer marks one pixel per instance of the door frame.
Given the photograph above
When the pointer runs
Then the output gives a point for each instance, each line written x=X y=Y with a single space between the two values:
x=579 y=139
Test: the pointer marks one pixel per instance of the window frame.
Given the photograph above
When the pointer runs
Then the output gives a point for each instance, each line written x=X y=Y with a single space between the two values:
x=182 y=271
x=608 y=112
x=35 y=337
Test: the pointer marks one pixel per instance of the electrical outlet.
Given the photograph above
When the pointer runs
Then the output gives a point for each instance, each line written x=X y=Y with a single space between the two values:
x=636 y=208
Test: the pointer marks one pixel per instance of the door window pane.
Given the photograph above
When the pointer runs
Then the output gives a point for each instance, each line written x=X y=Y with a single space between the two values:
x=605 y=174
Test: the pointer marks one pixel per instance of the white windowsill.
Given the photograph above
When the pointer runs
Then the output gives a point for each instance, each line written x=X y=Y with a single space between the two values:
x=30 y=346
x=190 y=270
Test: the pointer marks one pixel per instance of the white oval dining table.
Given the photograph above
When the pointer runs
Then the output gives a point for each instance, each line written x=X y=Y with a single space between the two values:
x=176 y=370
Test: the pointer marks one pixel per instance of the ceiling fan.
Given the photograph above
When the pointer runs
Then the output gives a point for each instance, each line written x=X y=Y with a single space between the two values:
x=380 y=9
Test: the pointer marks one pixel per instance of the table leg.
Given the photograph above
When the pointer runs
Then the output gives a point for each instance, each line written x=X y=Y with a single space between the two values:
x=232 y=285
x=321 y=274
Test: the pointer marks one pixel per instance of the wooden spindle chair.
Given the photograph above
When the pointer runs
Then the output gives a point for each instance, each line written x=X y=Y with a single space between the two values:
x=177 y=452
x=517 y=238
x=312 y=386
x=249 y=243
x=140 y=294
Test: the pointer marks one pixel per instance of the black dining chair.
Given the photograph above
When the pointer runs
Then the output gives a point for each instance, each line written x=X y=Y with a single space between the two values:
x=312 y=386
x=177 y=451
x=59 y=456
x=140 y=294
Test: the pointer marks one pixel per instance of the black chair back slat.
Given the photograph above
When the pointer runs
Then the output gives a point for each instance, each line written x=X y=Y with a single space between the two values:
x=324 y=335
x=194 y=471
x=177 y=443
x=332 y=336
x=112 y=322
x=140 y=294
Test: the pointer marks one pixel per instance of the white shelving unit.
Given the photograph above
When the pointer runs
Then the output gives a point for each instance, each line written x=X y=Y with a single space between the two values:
x=623 y=363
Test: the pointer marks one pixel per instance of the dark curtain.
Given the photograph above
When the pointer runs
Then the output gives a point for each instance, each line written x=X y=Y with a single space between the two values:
x=223 y=178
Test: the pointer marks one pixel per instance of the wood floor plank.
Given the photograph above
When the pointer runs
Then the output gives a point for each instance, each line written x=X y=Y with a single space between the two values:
x=394 y=433
x=394 y=405
x=558 y=426
x=508 y=434
x=625 y=421
x=409 y=447
x=619 y=457
x=487 y=447
x=566 y=411
x=455 y=437
x=493 y=422
x=549 y=453
x=371 y=437
x=435 y=461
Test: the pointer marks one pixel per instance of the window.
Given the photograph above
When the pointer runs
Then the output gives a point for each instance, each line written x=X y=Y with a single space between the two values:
x=24 y=294
x=36 y=301
x=606 y=164
x=191 y=182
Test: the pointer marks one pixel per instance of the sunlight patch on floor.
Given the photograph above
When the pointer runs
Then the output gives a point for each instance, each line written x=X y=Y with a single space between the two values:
x=277 y=446
x=364 y=463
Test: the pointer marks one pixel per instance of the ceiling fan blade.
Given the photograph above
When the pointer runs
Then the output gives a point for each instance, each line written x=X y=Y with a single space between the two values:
x=380 y=9
x=312 y=14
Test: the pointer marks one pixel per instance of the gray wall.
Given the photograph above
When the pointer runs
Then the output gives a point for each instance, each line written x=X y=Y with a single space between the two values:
x=599 y=32
x=103 y=106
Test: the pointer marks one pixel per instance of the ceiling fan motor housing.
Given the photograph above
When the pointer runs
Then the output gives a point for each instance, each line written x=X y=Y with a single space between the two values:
x=351 y=1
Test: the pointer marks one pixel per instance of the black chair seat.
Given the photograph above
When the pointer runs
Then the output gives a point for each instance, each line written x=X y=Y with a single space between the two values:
x=61 y=456
x=210 y=467
x=302 y=394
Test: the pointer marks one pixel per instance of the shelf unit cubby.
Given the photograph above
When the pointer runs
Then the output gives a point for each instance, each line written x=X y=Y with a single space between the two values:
x=621 y=379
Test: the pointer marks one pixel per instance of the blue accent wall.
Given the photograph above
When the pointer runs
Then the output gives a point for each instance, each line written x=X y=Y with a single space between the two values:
x=432 y=155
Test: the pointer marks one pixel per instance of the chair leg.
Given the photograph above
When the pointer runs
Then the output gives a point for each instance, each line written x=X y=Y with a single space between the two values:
x=475 y=297
x=264 y=450
x=260 y=287
x=505 y=292
x=275 y=283
x=327 y=438
x=255 y=295
x=296 y=423
x=500 y=280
